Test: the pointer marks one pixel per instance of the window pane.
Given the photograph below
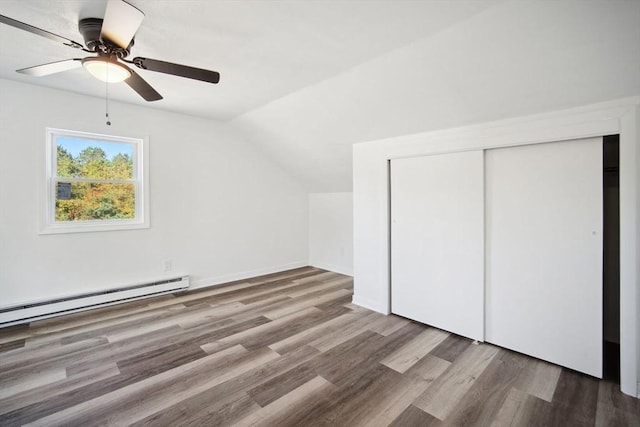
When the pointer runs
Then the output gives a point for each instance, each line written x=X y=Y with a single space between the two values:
x=86 y=201
x=87 y=158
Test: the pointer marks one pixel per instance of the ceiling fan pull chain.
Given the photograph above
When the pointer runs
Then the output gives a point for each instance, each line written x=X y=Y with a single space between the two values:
x=106 y=83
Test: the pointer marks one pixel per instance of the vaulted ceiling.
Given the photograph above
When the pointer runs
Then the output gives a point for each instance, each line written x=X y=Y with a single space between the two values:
x=264 y=50
x=305 y=79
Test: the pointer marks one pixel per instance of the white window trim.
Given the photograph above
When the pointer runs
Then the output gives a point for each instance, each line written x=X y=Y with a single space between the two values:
x=48 y=224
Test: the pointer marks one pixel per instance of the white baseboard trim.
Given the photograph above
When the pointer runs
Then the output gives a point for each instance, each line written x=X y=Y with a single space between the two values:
x=371 y=305
x=333 y=267
x=231 y=277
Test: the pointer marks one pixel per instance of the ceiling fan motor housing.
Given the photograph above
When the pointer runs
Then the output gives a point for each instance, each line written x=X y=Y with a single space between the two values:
x=90 y=28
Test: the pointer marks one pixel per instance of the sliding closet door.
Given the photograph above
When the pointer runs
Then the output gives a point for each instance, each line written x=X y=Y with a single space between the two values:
x=544 y=251
x=437 y=232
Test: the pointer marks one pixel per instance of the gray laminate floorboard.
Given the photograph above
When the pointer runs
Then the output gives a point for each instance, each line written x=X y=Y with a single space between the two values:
x=284 y=349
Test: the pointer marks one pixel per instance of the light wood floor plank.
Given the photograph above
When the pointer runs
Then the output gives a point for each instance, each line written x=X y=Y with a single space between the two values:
x=401 y=394
x=413 y=416
x=86 y=327
x=335 y=338
x=172 y=393
x=385 y=325
x=201 y=408
x=56 y=388
x=304 y=303
x=216 y=312
x=443 y=395
x=335 y=283
x=481 y=403
x=315 y=333
x=277 y=412
x=17 y=384
x=25 y=356
x=516 y=410
x=321 y=277
x=406 y=356
x=261 y=330
x=451 y=348
x=539 y=378
x=135 y=396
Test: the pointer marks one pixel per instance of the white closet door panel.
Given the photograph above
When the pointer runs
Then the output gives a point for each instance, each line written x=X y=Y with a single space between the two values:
x=437 y=241
x=544 y=251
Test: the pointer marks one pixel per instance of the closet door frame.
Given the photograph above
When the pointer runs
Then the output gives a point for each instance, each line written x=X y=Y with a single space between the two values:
x=371 y=199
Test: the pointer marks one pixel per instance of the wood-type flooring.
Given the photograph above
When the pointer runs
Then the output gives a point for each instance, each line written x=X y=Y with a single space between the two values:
x=286 y=349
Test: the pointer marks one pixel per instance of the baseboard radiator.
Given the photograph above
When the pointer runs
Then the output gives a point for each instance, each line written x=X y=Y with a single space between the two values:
x=29 y=312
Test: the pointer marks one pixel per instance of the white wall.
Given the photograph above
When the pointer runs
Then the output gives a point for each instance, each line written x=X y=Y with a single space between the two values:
x=331 y=231
x=219 y=210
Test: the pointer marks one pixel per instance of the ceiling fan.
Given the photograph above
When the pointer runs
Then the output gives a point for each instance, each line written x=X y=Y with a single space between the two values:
x=111 y=39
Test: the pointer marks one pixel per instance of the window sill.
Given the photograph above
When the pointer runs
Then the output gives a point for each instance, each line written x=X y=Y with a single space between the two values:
x=92 y=227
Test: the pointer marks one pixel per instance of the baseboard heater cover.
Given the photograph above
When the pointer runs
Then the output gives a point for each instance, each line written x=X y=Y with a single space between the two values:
x=29 y=312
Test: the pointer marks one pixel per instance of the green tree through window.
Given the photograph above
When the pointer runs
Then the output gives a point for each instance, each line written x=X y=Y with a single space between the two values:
x=101 y=186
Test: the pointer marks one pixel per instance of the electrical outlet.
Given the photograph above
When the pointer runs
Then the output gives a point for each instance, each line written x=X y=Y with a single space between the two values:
x=167 y=265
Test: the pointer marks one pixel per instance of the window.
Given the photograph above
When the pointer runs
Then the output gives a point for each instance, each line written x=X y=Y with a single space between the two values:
x=94 y=183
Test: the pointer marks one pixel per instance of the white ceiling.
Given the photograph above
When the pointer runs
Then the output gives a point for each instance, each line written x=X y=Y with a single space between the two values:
x=264 y=50
x=303 y=80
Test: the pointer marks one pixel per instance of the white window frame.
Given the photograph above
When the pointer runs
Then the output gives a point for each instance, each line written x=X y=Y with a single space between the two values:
x=49 y=225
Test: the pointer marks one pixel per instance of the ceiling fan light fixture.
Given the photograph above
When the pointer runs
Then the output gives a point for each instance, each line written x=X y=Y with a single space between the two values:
x=106 y=70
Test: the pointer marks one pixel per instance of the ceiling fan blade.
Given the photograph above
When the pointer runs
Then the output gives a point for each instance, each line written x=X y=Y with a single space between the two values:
x=143 y=88
x=40 y=32
x=52 y=67
x=177 y=70
x=121 y=21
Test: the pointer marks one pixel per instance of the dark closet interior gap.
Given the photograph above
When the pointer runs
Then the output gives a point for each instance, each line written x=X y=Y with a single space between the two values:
x=611 y=257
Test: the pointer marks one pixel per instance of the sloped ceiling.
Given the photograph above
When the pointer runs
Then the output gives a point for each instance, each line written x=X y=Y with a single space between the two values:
x=264 y=50
x=515 y=59
x=305 y=79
